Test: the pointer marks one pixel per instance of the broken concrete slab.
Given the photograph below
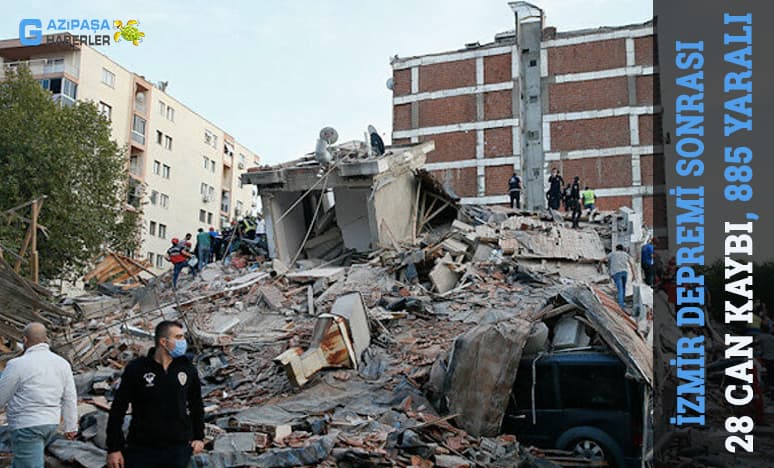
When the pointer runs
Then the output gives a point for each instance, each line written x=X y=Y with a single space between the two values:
x=454 y=246
x=443 y=278
x=483 y=253
x=235 y=442
x=272 y=296
x=314 y=452
x=481 y=371
x=458 y=225
x=451 y=461
x=559 y=243
x=331 y=274
x=569 y=333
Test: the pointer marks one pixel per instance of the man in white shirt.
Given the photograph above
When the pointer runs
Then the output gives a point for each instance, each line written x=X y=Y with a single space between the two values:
x=39 y=390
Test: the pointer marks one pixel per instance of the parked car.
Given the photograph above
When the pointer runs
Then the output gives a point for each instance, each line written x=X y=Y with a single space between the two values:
x=582 y=403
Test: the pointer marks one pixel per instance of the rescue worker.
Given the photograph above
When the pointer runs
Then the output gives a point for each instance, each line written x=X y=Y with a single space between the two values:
x=167 y=424
x=178 y=256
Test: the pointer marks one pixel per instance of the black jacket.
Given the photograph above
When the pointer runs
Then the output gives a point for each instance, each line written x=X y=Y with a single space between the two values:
x=167 y=406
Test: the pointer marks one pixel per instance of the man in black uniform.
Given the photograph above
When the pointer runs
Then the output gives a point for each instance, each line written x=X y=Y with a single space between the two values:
x=167 y=413
x=514 y=190
x=574 y=201
x=555 y=182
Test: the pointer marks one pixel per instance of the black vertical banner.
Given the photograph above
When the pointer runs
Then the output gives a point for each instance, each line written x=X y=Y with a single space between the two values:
x=713 y=341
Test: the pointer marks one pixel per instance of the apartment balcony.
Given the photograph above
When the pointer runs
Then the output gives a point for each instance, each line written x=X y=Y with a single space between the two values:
x=41 y=67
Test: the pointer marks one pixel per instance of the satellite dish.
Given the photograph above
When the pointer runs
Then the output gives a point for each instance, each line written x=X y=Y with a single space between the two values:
x=390 y=83
x=329 y=135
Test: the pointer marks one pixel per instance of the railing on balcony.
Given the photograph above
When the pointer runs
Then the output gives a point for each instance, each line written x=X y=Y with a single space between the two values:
x=138 y=130
x=42 y=67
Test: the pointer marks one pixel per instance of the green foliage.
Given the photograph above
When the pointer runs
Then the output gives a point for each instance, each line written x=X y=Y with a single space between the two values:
x=67 y=154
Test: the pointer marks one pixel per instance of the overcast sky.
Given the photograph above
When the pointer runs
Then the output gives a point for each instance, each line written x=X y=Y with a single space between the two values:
x=272 y=73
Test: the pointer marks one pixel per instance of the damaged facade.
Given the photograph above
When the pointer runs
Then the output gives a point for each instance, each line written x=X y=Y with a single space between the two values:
x=359 y=203
x=585 y=101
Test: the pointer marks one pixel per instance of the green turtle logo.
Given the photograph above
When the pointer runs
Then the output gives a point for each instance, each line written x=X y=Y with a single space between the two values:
x=128 y=32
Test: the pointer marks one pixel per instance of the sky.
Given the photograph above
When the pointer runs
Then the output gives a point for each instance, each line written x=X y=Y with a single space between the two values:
x=272 y=73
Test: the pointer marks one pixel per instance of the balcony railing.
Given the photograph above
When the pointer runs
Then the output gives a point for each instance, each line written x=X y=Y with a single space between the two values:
x=41 y=67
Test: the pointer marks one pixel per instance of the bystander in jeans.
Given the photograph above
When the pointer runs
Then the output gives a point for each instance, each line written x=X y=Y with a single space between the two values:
x=618 y=263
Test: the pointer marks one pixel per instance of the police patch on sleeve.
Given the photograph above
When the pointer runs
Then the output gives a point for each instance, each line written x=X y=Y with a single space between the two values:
x=182 y=377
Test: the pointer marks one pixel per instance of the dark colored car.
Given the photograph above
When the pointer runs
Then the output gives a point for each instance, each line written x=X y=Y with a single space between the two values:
x=583 y=403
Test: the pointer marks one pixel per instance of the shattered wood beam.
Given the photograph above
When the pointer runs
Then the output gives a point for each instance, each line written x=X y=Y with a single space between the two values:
x=127 y=269
x=437 y=212
x=415 y=214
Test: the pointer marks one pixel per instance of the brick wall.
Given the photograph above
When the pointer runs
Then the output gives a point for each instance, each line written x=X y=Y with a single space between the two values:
x=446 y=111
x=463 y=180
x=401 y=117
x=401 y=82
x=573 y=96
x=497 y=68
x=590 y=133
x=498 y=105
x=447 y=75
x=605 y=172
x=587 y=57
x=588 y=95
x=453 y=146
x=612 y=203
x=498 y=142
x=654 y=210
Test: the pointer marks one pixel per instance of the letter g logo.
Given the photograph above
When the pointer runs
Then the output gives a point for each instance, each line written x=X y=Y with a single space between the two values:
x=33 y=27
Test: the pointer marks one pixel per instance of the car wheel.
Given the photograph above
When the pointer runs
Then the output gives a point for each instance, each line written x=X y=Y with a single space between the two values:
x=590 y=449
x=592 y=443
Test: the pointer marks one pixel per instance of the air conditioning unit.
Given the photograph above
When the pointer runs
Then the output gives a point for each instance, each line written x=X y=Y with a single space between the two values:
x=241 y=165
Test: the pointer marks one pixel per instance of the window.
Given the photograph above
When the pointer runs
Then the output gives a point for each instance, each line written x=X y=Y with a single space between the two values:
x=151 y=258
x=242 y=161
x=162 y=108
x=165 y=172
x=159 y=261
x=108 y=77
x=170 y=114
x=156 y=167
x=152 y=228
x=167 y=142
x=69 y=89
x=203 y=189
x=164 y=201
x=105 y=110
x=202 y=216
x=209 y=218
x=211 y=192
x=138 y=129
x=206 y=162
x=163 y=231
x=159 y=137
x=239 y=207
x=154 y=197
x=228 y=148
x=212 y=165
x=257 y=161
x=607 y=393
x=208 y=136
x=134 y=165
x=239 y=182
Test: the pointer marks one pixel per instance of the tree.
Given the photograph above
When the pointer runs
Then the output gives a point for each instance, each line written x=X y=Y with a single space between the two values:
x=66 y=153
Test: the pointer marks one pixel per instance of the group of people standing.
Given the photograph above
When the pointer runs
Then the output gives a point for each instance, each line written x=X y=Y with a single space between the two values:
x=575 y=199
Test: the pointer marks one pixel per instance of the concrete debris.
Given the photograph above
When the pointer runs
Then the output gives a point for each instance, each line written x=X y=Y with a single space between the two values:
x=402 y=350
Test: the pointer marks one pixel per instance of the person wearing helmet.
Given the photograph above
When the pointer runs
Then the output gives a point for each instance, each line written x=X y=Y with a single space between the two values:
x=178 y=256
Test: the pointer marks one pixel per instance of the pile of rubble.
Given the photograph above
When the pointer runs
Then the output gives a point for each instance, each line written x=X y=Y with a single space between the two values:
x=382 y=361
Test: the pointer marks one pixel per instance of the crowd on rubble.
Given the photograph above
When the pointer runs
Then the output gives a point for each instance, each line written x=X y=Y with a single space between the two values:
x=559 y=194
x=247 y=233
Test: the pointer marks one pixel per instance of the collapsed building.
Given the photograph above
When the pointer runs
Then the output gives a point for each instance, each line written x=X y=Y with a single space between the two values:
x=381 y=333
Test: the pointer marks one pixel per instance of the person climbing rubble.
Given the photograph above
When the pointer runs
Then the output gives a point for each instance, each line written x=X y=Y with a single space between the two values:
x=618 y=263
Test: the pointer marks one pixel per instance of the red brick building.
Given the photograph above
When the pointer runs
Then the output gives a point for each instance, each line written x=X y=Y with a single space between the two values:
x=534 y=99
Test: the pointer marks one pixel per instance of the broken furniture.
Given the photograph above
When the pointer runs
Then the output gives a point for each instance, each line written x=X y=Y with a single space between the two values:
x=338 y=340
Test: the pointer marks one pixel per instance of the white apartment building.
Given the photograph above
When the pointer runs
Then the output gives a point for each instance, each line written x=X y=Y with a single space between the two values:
x=184 y=169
